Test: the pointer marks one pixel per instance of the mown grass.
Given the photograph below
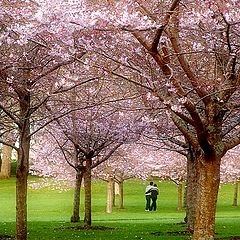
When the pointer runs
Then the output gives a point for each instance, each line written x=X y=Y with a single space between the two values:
x=49 y=213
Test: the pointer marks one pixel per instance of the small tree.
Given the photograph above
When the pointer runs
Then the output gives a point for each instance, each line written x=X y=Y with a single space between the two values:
x=88 y=138
x=230 y=171
x=120 y=167
x=29 y=60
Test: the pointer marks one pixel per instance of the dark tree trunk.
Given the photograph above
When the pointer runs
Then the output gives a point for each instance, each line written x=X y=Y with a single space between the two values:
x=208 y=185
x=76 y=202
x=235 y=196
x=87 y=185
x=191 y=189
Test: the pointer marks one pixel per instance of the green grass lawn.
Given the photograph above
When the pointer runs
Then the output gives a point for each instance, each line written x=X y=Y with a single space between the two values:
x=49 y=212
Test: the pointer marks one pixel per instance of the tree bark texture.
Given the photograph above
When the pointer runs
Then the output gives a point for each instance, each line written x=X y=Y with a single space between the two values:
x=191 y=190
x=235 y=195
x=110 y=195
x=76 y=202
x=6 y=162
x=22 y=167
x=87 y=185
x=21 y=188
x=208 y=185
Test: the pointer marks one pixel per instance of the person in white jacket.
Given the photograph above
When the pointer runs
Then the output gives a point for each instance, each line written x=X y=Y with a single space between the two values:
x=148 y=196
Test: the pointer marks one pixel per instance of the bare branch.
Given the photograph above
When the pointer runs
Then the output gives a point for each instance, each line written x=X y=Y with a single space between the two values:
x=110 y=153
x=132 y=81
x=62 y=90
x=10 y=115
x=7 y=143
x=62 y=150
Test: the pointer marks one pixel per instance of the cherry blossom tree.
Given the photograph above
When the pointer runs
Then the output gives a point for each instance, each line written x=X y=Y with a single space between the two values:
x=121 y=166
x=90 y=136
x=202 y=95
x=182 y=52
x=30 y=57
x=230 y=171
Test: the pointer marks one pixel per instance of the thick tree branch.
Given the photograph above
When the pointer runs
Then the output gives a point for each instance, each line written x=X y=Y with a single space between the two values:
x=142 y=41
x=174 y=38
x=232 y=126
x=185 y=118
x=233 y=143
x=185 y=131
x=7 y=143
x=232 y=80
x=160 y=30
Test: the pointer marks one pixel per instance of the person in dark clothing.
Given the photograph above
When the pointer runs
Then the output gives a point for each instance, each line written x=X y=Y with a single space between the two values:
x=154 y=194
x=148 y=196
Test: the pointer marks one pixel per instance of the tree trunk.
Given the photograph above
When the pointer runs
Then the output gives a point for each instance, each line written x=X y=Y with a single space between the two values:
x=6 y=162
x=208 y=185
x=180 y=196
x=235 y=196
x=114 y=194
x=21 y=188
x=110 y=194
x=87 y=186
x=22 y=168
x=76 y=202
x=120 y=198
x=191 y=189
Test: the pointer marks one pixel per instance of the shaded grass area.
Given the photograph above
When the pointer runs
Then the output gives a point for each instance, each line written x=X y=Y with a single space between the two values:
x=101 y=231
x=114 y=230
x=49 y=213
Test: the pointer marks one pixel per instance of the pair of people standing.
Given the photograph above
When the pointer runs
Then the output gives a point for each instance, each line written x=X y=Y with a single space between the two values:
x=151 y=194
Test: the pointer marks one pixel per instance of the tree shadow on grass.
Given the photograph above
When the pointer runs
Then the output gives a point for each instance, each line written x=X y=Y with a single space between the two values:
x=180 y=232
x=229 y=238
x=172 y=233
x=6 y=237
x=187 y=233
x=77 y=228
x=102 y=228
